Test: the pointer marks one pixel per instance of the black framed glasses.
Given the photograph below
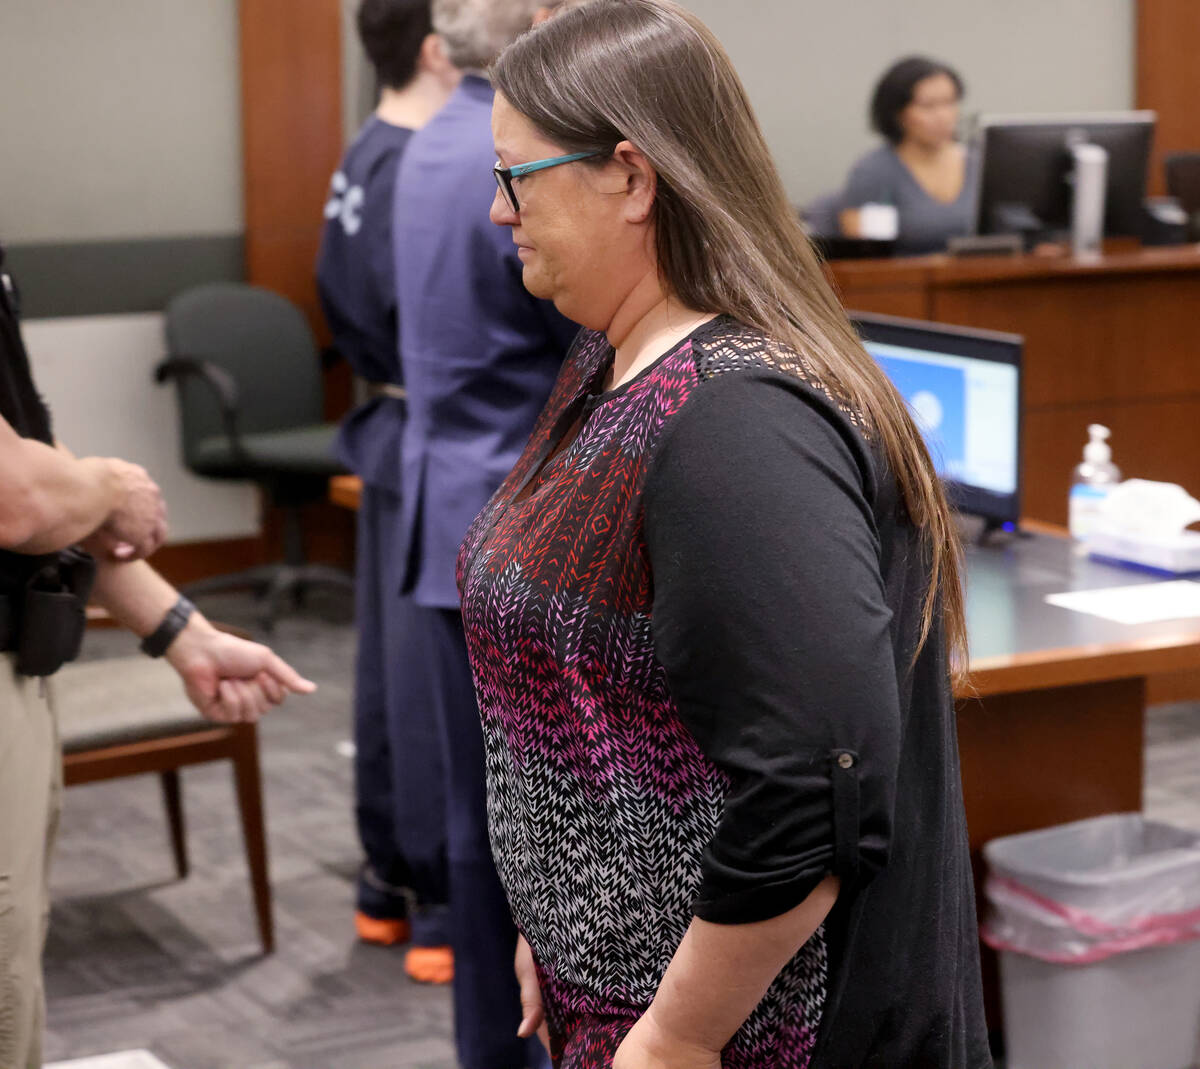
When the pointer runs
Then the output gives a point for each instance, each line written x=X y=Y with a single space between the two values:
x=505 y=175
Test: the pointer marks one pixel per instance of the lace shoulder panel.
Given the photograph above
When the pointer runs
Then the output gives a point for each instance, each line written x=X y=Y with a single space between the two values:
x=727 y=345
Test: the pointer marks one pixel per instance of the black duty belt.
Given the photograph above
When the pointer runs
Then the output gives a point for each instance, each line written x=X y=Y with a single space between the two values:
x=8 y=624
x=44 y=621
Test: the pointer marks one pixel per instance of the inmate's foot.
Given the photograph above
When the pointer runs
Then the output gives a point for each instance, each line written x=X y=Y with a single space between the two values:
x=384 y=932
x=430 y=965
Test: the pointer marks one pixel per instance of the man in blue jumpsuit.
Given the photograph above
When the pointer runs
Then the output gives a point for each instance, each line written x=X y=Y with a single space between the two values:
x=399 y=798
x=480 y=356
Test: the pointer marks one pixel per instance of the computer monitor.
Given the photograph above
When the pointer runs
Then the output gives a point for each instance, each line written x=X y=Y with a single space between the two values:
x=1025 y=164
x=964 y=389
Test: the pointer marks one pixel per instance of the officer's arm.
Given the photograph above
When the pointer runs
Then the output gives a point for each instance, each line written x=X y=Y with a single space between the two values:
x=49 y=499
x=227 y=678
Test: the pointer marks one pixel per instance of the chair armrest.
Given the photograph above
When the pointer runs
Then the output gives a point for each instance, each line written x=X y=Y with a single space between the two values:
x=220 y=383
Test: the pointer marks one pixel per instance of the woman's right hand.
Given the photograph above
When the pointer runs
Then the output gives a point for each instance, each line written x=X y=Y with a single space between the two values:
x=533 y=1017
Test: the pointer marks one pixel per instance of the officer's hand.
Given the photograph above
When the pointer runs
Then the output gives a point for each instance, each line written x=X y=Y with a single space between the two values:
x=138 y=524
x=229 y=679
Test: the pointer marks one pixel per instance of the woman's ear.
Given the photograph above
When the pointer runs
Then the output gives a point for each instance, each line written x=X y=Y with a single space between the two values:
x=640 y=181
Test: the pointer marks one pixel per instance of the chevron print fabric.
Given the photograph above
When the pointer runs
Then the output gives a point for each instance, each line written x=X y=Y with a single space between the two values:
x=600 y=801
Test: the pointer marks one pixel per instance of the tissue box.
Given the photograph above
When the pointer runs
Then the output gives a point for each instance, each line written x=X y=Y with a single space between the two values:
x=1168 y=554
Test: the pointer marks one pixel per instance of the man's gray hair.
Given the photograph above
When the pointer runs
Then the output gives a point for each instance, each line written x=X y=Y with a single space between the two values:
x=475 y=32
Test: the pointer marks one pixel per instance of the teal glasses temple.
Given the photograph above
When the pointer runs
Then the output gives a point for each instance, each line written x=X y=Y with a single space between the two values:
x=505 y=175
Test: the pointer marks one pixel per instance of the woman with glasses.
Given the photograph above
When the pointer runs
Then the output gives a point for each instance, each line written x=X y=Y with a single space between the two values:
x=712 y=610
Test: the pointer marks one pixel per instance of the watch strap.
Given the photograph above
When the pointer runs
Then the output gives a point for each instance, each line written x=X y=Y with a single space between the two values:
x=157 y=642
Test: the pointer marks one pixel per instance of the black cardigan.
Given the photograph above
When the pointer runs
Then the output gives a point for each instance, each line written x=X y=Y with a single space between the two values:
x=811 y=635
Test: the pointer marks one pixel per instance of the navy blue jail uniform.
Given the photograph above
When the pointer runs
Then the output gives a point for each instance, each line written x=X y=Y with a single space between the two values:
x=480 y=356
x=399 y=795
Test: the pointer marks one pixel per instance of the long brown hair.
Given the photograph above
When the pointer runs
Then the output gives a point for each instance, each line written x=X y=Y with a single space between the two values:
x=727 y=238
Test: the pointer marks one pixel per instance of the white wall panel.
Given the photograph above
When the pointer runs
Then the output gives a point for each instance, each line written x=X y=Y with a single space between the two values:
x=96 y=372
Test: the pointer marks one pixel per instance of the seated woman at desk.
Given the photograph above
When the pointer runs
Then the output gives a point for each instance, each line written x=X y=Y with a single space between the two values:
x=922 y=171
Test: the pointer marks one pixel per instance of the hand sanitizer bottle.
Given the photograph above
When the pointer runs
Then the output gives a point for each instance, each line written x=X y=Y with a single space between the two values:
x=1091 y=482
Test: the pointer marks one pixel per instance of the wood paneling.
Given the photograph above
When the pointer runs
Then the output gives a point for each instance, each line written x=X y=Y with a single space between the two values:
x=1156 y=439
x=291 y=136
x=185 y=562
x=1110 y=337
x=911 y=303
x=1112 y=340
x=1046 y=757
x=291 y=69
x=1023 y=765
x=884 y=287
x=1175 y=687
x=1168 y=76
x=1116 y=349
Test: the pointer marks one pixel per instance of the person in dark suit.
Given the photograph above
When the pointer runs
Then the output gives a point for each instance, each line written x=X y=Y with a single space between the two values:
x=479 y=356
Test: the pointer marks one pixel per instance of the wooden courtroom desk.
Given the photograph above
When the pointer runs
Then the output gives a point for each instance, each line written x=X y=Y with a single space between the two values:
x=1051 y=728
x=1114 y=340
x=1051 y=722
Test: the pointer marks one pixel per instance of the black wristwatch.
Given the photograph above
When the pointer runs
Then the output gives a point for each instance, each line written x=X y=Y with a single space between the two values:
x=156 y=643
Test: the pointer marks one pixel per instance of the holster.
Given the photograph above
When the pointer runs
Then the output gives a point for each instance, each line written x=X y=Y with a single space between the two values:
x=53 y=613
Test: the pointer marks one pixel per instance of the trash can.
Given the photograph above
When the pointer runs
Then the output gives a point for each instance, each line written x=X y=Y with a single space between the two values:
x=1097 y=926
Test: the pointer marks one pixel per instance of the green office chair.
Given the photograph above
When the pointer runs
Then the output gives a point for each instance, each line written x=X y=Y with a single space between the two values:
x=248 y=377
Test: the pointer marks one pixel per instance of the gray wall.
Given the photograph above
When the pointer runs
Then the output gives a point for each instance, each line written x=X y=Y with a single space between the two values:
x=359 y=92
x=120 y=162
x=121 y=119
x=809 y=65
x=120 y=184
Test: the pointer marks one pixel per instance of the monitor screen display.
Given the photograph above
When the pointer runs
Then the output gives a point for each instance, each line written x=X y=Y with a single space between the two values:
x=964 y=390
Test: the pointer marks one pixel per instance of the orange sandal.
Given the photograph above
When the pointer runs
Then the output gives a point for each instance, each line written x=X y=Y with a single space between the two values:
x=430 y=965
x=384 y=933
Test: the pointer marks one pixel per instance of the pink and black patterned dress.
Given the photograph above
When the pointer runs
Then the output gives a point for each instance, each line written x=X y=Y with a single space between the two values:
x=691 y=611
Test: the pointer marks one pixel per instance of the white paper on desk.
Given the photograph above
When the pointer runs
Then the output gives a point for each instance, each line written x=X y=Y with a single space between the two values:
x=1146 y=603
x=126 y=1059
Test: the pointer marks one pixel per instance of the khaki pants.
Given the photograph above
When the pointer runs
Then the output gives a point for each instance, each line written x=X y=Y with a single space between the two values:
x=30 y=796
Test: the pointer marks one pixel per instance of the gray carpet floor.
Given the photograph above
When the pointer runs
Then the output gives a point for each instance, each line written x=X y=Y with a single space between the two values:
x=138 y=959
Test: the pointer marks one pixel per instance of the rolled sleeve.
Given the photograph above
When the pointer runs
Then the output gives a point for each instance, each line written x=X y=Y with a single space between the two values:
x=771 y=623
